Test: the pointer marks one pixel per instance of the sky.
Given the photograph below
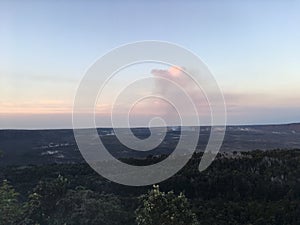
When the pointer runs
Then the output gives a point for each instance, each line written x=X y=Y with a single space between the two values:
x=251 y=47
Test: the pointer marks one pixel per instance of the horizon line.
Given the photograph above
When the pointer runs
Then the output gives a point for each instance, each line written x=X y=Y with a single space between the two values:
x=227 y=125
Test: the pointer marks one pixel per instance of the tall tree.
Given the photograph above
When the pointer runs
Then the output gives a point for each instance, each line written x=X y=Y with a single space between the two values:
x=165 y=209
x=10 y=208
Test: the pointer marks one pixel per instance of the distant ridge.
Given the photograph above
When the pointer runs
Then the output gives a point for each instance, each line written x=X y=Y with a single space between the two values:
x=138 y=127
x=23 y=147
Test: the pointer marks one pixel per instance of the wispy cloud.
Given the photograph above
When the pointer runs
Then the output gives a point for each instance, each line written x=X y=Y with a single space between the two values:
x=35 y=107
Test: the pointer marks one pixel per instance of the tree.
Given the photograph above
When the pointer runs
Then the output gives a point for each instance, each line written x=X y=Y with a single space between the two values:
x=165 y=209
x=10 y=208
x=41 y=207
x=83 y=206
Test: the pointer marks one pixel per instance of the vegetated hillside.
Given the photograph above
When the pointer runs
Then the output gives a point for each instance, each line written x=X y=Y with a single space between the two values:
x=38 y=147
x=256 y=187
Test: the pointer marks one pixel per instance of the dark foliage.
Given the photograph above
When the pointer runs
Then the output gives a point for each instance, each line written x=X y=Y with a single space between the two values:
x=258 y=187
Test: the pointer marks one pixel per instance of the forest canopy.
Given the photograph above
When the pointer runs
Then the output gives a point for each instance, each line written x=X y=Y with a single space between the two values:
x=257 y=187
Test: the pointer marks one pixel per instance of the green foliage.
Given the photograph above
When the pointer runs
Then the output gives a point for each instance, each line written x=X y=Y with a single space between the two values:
x=165 y=209
x=257 y=188
x=10 y=208
x=43 y=201
x=52 y=203
x=87 y=207
x=33 y=211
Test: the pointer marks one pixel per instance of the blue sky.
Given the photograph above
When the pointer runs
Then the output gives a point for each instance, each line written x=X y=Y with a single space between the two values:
x=252 y=48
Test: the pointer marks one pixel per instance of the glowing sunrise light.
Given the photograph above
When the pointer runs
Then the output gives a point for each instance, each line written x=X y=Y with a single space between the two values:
x=175 y=70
